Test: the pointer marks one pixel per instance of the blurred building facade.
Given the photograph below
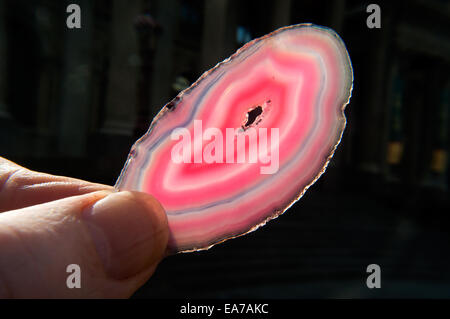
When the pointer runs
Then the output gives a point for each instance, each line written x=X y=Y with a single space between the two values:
x=72 y=102
x=85 y=95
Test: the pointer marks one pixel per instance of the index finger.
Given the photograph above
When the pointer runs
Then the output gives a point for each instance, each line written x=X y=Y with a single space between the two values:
x=21 y=187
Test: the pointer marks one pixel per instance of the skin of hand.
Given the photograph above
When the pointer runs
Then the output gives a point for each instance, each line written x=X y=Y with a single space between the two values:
x=49 y=222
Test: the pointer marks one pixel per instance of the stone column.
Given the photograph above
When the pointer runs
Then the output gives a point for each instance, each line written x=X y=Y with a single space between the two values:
x=3 y=108
x=76 y=81
x=219 y=31
x=124 y=66
x=337 y=15
x=374 y=120
x=167 y=16
x=282 y=13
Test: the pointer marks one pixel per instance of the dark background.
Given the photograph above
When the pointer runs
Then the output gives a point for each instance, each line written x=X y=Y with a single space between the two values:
x=72 y=102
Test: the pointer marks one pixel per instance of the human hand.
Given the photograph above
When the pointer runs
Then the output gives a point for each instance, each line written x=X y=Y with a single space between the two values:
x=49 y=222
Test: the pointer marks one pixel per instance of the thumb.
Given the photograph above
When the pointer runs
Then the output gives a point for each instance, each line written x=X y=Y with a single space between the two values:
x=116 y=239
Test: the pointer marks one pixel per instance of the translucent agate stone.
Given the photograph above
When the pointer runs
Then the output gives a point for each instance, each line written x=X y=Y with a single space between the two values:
x=289 y=89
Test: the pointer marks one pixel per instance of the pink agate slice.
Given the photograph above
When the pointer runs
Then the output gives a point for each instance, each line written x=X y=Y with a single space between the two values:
x=301 y=78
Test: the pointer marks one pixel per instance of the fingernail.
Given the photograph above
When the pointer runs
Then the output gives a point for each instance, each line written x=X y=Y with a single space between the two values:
x=129 y=230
